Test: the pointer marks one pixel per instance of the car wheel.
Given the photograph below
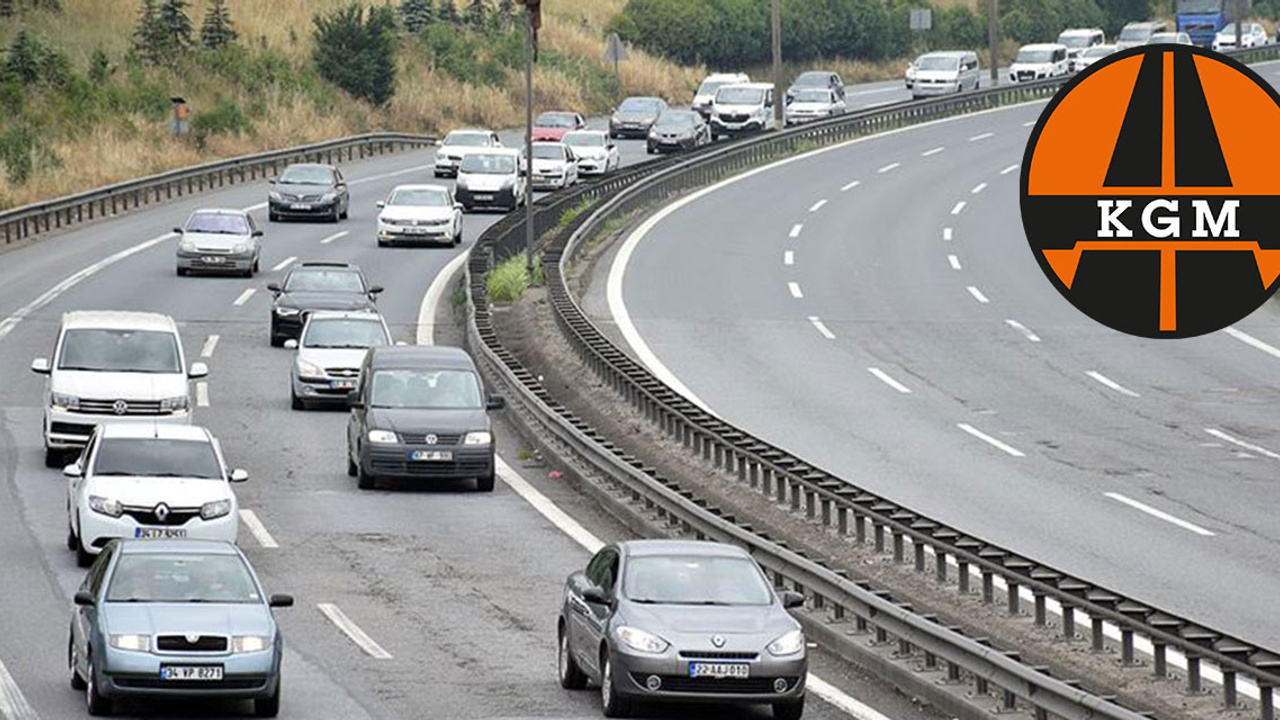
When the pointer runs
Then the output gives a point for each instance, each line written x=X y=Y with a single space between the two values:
x=52 y=458
x=649 y=149
x=73 y=540
x=789 y=710
x=182 y=272
x=485 y=484
x=351 y=466
x=83 y=557
x=611 y=703
x=95 y=702
x=257 y=265
x=296 y=402
x=77 y=682
x=272 y=217
x=346 y=213
x=276 y=339
x=457 y=239
x=364 y=480
x=571 y=676
x=268 y=707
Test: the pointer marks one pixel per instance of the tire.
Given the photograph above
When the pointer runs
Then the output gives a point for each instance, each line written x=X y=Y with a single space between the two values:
x=83 y=558
x=73 y=540
x=182 y=272
x=364 y=480
x=352 y=470
x=97 y=704
x=612 y=704
x=77 y=682
x=268 y=707
x=295 y=402
x=457 y=239
x=346 y=213
x=272 y=217
x=257 y=265
x=276 y=340
x=571 y=676
x=52 y=458
x=789 y=710
x=485 y=483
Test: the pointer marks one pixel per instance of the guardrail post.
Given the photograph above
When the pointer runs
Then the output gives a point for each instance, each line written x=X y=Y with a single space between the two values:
x=1193 y=674
x=898 y=547
x=781 y=489
x=1266 y=703
x=940 y=565
x=1010 y=701
x=1014 y=596
x=793 y=486
x=766 y=480
x=988 y=587
x=1042 y=610
x=919 y=551
x=810 y=503
x=962 y=575
x=878 y=531
x=842 y=518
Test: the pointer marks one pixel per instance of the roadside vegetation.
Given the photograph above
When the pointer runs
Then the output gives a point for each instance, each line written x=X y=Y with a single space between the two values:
x=507 y=282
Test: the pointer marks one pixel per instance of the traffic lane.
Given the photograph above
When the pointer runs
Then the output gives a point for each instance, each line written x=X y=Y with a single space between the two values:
x=864 y=96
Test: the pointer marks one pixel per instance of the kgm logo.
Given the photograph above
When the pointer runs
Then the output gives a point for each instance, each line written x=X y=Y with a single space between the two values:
x=1151 y=191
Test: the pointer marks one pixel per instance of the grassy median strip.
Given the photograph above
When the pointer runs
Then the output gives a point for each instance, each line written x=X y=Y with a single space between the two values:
x=507 y=282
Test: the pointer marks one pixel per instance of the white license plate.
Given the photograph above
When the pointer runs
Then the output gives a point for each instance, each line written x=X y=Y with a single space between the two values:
x=300 y=206
x=416 y=231
x=737 y=671
x=484 y=196
x=158 y=533
x=431 y=455
x=343 y=384
x=191 y=672
x=213 y=259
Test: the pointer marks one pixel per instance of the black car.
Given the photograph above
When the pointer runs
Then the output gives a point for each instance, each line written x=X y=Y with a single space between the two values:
x=307 y=190
x=635 y=115
x=678 y=130
x=313 y=286
x=419 y=413
x=817 y=79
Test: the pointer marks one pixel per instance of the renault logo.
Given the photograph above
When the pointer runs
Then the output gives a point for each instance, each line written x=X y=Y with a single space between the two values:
x=162 y=512
x=120 y=407
x=431 y=439
x=192 y=638
x=717 y=640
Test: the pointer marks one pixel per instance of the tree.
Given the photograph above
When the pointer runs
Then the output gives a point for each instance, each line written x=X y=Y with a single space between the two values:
x=476 y=13
x=8 y=8
x=416 y=15
x=506 y=12
x=149 y=41
x=356 y=51
x=217 y=31
x=24 y=58
x=449 y=12
x=177 y=25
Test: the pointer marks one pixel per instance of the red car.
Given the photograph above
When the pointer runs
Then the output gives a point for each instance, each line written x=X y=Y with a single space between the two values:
x=553 y=125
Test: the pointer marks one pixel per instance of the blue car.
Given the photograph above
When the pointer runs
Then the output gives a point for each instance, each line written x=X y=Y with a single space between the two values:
x=169 y=619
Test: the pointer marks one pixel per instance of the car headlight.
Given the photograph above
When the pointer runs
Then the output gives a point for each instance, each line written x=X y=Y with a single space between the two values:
x=129 y=641
x=309 y=370
x=329 y=197
x=105 y=506
x=188 y=245
x=275 y=195
x=479 y=437
x=250 y=643
x=64 y=401
x=614 y=119
x=383 y=437
x=788 y=644
x=181 y=402
x=642 y=641
x=241 y=248
x=215 y=509
x=287 y=311
x=440 y=156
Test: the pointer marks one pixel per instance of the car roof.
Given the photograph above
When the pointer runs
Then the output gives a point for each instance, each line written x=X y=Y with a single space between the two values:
x=948 y=53
x=724 y=76
x=343 y=315
x=752 y=85
x=194 y=547
x=585 y=131
x=310 y=165
x=442 y=357
x=466 y=131
x=816 y=73
x=495 y=151
x=219 y=211
x=419 y=186
x=325 y=265
x=650 y=98
x=118 y=320
x=1145 y=23
x=703 y=548
x=1080 y=31
x=153 y=430
x=1042 y=46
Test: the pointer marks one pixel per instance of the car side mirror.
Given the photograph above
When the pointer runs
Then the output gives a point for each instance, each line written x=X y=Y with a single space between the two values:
x=273 y=287
x=375 y=289
x=353 y=400
x=198 y=370
x=459 y=206
x=496 y=402
x=291 y=344
x=238 y=475
x=258 y=233
x=272 y=181
x=524 y=172
x=73 y=470
x=596 y=596
x=40 y=366
x=280 y=600
x=791 y=599
x=83 y=598
x=381 y=203
x=178 y=230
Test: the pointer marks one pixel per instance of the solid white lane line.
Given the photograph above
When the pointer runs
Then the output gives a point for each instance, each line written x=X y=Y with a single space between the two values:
x=978 y=188
x=334 y=236
x=821 y=327
x=958 y=208
x=1241 y=443
x=259 y=531
x=353 y=631
x=13 y=705
x=202 y=394
x=876 y=91
x=884 y=378
x=982 y=136
x=882 y=103
x=955 y=262
x=890 y=166
x=794 y=287
x=1008 y=170
x=1153 y=512
x=934 y=151
x=426 y=332
x=244 y=296
x=1023 y=329
x=977 y=294
x=210 y=343
x=789 y=258
x=946 y=234
x=999 y=445
x=850 y=185
x=262 y=205
x=818 y=205
x=795 y=230
x=1248 y=339
x=284 y=264
x=1111 y=383
x=831 y=694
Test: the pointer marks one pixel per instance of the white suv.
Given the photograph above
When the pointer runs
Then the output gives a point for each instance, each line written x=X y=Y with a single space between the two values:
x=742 y=108
x=149 y=482
x=113 y=367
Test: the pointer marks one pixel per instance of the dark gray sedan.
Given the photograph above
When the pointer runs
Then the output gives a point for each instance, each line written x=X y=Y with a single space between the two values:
x=309 y=190
x=175 y=618
x=683 y=621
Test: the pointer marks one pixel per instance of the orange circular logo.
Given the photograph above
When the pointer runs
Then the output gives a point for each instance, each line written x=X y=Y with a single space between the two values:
x=1151 y=191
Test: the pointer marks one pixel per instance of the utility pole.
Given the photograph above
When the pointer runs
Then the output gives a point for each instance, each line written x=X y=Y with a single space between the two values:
x=993 y=39
x=1239 y=18
x=778 y=100
x=528 y=142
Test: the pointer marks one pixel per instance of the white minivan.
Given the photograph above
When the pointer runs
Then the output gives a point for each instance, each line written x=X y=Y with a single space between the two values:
x=1039 y=61
x=742 y=108
x=111 y=366
x=943 y=73
x=705 y=95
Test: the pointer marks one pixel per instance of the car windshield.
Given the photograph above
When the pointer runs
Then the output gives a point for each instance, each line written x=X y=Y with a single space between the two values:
x=1098 y=51
x=555 y=119
x=425 y=389
x=218 y=223
x=1033 y=56
x=1135 y=33
x=695 y=580
x=675 y=120
x=307 y=175
x=104 y=350
x=1230 y=29
x=584 y=139
x=813 y=95
x=181 y=578
x=467 y=139
x=1074 y=40
x=640 y=105
x=420 y=197
x=156 y=457
x=937 y=62
x=323 y=280
x=548 y=152
x=344 y=333
x=739 y=96
x=709 y=87
x=812 y=79
x=486 y=164
x=1164 y=38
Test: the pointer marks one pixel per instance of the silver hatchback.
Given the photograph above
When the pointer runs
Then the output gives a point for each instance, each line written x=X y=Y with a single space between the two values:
x=221 y=241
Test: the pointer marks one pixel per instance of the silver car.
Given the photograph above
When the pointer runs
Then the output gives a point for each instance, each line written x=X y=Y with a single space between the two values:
x=222 y=241
x=331 y=349
x=681 y=621
x=175 y=618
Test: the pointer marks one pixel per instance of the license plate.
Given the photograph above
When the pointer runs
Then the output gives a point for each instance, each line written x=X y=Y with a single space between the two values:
x=737 y=671
x=213 y=259
x=484 y=196
x=156 y=533
x=416 y=231
x=300 y=206
x=431 y=455
x=343 y=384
x=191 y=672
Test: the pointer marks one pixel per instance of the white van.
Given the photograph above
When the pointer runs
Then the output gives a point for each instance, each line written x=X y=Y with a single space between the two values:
x=1077 y=40
x=742 y=108
x=113 y=367
x=491 y=178
x=943 y=73
x=1039 y=61
x=705 y=95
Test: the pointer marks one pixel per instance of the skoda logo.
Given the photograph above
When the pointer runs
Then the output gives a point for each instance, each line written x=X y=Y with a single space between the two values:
x=717 y=640
x=162 y=512
x=431 y=439
x=192 y=638
x=120 y=407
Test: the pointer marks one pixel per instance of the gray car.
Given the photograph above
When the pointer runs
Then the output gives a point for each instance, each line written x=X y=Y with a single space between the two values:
x=172 y=619
x=681 y=621
x=222 y=241
x=330 y=349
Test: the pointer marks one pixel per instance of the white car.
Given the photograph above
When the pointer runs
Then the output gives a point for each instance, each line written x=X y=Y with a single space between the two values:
x=457 y=144
x=111 y=367
x=943 y=73
x=555 y=167
x=705 y=95
x=1077 y=40
x=743 y=108
x=1138 y=33
x=151 y=482
x=1170 y=38
x=1038 y=62
x=418 y=214
x=224 y=241
x=812 y=103
x=330 y=350
x=490 y=178
x=596 y=151
x=1093 y=55
x=1251 y=35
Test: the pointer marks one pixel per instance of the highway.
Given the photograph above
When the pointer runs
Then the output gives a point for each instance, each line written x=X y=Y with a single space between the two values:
x=875 y=309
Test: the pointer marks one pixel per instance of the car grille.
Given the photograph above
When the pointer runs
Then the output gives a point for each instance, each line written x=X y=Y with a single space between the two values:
x=175 y=518
x=397 y=465
x=64 y=428
x=734 y=118
x=1026 y=75
x=132 y=407
x=203 y=643
x=213 y=251
x=301 y=198
x=417 y=223
x=717 y=655
x=749 y=686
x=421 y=439
x=251 y=682
x=342 y=372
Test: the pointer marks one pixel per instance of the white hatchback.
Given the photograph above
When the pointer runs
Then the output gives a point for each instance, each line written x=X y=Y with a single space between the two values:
x=555 y=167
x=148 y=481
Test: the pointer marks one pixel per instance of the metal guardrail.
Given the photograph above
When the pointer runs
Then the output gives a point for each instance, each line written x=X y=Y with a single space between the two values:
x=789 y=479
x=40 y=218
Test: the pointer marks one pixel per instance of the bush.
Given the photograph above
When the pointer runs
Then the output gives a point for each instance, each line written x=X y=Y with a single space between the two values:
x=507 y=282
x=462 y=55
x=17 y=145
x=357 y=53
x=225 y=117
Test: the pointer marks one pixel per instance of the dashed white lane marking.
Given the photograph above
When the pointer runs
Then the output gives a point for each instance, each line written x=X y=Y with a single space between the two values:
x=1029 y=123
x=1250 y=340
x=959 y=208
x=1153 y=512
x=890 y=166
x=817 y=206
x=257 y=529
x=978 y=188
x=1009 y=169
x=946 y=234
x=1241 y=443
x=789 y=258
x=1111 y=383
x=244 y=296
x=794 y=287
x=850 y=185
x=1026 y=331
x=13 y=705
x=934 y=151
x=883 y=377
x=334 y=236
x=202 y=394
x=353 y=631
x=210 y=343
x=821 y=327
x=982 y=136
x=993 y=442
x=426 y=332
x=795 y=230
x=977 y=294
x=882 y=103
x=284 y=264
x=955 y=262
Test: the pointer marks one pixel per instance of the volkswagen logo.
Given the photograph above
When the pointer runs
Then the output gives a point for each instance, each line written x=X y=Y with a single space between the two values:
x=192 y=638
x=162 y=512
x=717 y=640
x=431 y=439
x=120 y=407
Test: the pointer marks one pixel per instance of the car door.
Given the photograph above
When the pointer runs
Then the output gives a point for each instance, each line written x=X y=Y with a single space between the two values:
x=76 y=484
x=601 y=573
x=85 y=616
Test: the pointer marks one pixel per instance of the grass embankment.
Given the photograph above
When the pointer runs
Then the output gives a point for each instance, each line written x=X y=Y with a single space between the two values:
x=269 y=95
